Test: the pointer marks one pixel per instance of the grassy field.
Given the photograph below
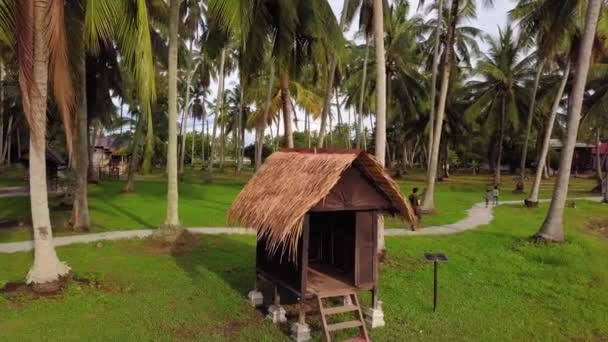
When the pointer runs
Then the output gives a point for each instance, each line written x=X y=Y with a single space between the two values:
x=204 y=203
x=495 y=286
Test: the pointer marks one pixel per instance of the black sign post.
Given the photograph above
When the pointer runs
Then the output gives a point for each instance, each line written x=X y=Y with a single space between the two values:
x=436 y=258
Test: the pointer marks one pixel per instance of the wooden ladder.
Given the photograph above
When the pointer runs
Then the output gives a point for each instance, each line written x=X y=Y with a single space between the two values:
x=358 y=322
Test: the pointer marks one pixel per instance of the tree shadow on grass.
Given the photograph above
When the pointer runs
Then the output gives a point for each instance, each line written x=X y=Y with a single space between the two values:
x=126 y=213
x=231 y=258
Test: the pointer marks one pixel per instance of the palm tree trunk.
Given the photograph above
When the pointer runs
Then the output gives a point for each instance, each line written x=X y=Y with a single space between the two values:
x=222 y=123
x=47 y=268
x=330 y=83
x=80 y=210
x=598 y=155
x=185 y=123
x=287 y=110
x=501 y=137
x=172 y=218
x=1 y=113
x=429 y=194
x=553 y=227
x=204 y=133
x=262 y=125
x=378 y=22
x=524 y=150
x=542 y=159
x=435 y=71
x=219 y=105
x=93 y=171
x=149 y=147
x=134 y=161
x=5 y=153
x=362 y=94
x=193 y=141
x=122 y=104
x=240 y=127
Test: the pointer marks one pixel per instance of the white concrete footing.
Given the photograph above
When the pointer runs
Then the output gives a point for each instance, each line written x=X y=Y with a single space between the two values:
x=347 y=300
x=255 y=298
x=276 y=314
x=300 y=332
x=375 y=317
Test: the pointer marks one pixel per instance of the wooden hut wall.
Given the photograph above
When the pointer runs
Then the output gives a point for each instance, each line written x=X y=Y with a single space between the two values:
x=353 y=191
x=366 y=263
x=280 y=267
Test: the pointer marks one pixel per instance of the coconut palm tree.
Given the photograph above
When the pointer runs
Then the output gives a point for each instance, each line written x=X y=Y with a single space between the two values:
x=434 y=72
x=429 y=199
x=548 y=35
x=192 y=25
x=330 y=81
x=38 y=32
x=170 y=229
x=499 y=94
x=552 y=228
x=300 y=32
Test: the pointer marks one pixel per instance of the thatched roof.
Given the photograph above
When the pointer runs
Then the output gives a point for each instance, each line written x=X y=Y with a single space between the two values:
x=292 y=182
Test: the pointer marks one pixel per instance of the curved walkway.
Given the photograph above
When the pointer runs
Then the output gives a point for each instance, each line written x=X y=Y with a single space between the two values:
x=478 y=215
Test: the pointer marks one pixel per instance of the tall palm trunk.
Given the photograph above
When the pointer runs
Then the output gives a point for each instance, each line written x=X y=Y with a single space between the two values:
x=204 y=133
x=330 y=83
x=435 y=71
x=598 y=155
x=47 y=268
x=172 y=218
x=240 y=128
x=93 y=171
x=1 y=113
x=262 y=125
x=80 y=163
x=553 y=227
x=378 y=22
x=219 y=105
x=135 y=156
x=149 y=144
x=362 y=95
x=501 y=138
x=186 y=111
x=524 y=150
x=193 y=141
x=429 y=194
x=542 y=159
x=287 y=110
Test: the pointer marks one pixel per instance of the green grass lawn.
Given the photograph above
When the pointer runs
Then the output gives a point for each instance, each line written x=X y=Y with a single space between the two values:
x=204 y=203
x=495 y=286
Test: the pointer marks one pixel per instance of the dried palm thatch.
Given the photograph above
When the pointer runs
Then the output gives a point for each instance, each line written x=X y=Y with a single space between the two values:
x=291 y=182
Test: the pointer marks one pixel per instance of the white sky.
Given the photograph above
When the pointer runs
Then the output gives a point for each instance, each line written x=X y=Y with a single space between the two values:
x=488 y=20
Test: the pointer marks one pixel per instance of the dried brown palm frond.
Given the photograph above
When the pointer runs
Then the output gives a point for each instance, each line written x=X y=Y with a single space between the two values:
x=59 y=65
x=24 y=40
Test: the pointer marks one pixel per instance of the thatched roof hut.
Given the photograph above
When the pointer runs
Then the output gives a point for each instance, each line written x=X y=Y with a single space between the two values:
x=294 y=181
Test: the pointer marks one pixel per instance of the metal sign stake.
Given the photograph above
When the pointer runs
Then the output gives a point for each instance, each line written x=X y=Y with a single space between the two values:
x=436 y=258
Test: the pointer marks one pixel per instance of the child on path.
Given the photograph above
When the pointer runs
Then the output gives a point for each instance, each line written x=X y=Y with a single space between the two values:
x=495 y=194
x=488 y=196
x=415 y=203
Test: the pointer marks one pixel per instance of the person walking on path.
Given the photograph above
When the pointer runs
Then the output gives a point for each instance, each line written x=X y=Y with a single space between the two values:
x=495 y=194
x=415 y=202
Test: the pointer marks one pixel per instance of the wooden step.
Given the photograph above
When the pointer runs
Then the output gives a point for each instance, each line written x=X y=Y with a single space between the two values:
x=336 y=293
x=344 y=325
x=340 y=309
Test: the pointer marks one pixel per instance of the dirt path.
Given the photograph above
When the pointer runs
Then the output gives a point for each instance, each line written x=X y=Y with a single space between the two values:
x=477 y=216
